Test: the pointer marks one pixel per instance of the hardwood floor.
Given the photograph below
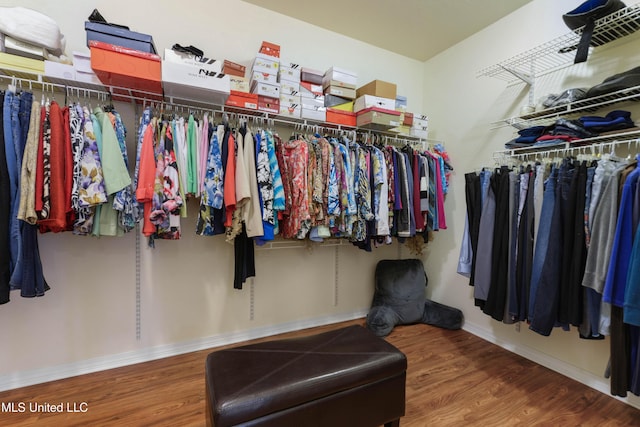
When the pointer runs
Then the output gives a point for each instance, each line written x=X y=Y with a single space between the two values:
x=453 y=379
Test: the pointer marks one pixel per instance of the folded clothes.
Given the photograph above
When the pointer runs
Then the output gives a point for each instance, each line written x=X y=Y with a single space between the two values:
x=514 y=144
x=556 y=137
x=610 y=115
x=614 y=120
x=533 y=130
x=549 y=143
x=574 y=128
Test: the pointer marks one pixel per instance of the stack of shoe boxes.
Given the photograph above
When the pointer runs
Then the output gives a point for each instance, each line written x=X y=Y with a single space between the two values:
x=289 y=78
x=240 y=96
x=339 y=88
x=420 y=126
x=264 y=78
x=312 y=98
x=375 y=106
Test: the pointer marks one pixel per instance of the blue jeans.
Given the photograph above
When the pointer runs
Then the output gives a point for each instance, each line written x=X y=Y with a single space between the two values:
x=542 y=239
x=20 y=111
x=547 y=297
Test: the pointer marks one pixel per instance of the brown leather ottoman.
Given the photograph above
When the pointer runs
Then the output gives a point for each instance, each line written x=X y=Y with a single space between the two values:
x=347 y=377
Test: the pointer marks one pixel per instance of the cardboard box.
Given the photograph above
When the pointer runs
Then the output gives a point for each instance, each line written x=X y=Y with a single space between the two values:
x=268 y=104
x=342 y=75
x=326 y=82
x=82 y=61
x=56 y=72
x=401 y=101
x=340 y=91
x=240 y=84
x=378 y=118
x=194 y=82
x=21 y=67
x=289 y=72
x=378 y=88
x=348 y=106
x=119 y=37
x=331 y=100
x=318 y=114
x=265 y=64
x=209 y=64
x=341 y=117
x=368 y=101
x=244 y=100
x=88 y=80
x=402 y=129
x=312 y=76
x=289 y=99
x=420 y=120
x=266 y=89
x=407 y=120
x=128 y=68
x=289 y=88
x=419 y=132
x=264 y=77
x=310 y=90
x=18 y=47
x=270 y=49
x=311 y=102
x=233 y=69
x=290 y=110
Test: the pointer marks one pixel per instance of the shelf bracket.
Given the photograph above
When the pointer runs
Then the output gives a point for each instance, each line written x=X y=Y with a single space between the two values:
x=522 y=76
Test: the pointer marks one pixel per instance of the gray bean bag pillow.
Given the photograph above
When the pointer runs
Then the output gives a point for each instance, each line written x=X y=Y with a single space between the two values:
x=400 y=299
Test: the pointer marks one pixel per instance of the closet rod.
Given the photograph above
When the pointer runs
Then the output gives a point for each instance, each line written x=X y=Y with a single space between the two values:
x=152 y=99
x=594 y=149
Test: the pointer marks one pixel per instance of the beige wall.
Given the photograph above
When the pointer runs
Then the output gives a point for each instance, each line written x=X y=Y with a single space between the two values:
x=463 y=108
x=186 y=286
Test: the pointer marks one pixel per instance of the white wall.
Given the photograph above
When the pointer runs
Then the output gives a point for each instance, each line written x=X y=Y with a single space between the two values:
x=87 y=320
x=462 y=109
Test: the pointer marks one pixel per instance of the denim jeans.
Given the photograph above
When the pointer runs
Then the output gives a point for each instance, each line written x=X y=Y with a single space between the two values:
x=20 y=111
x=547 y=299
x=542 y=237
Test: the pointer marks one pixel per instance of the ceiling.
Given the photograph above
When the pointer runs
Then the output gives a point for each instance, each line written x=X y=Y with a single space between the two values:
x=418 y=29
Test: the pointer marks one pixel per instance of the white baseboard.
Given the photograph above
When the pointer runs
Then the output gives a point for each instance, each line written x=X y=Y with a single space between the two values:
x=42 y=375
x=564 y=368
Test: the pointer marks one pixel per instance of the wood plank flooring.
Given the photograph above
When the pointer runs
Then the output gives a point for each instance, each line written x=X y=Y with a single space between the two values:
x=453 y=379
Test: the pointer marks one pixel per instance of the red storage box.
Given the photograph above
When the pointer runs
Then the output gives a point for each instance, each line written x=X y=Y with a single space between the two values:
x=127 y=68
x=233 y=69
x=270 y=49
x=341 y=117
x=243 y=100
x=268 y=104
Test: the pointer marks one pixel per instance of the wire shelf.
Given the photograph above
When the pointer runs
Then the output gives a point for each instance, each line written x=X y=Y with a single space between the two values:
x=580 y=145
x=75 y=90
x=560 y=52
x=573 y=109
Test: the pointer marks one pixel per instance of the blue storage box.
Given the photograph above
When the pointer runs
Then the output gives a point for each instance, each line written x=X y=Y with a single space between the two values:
x=119 y=37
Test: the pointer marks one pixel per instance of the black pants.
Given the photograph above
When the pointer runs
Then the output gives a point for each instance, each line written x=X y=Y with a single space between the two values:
x=497 y=296
x=474 y=209
x=5 y=211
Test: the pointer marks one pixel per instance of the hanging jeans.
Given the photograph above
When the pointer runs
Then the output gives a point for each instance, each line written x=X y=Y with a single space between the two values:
x=5 y=214
x=547 y=296
x=17 y=113
x=542 y=238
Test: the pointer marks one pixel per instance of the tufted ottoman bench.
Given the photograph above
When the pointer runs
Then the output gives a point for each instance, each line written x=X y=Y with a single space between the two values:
x=346 y=377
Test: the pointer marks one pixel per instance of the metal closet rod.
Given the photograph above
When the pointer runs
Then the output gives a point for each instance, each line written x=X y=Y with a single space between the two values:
x=151 y=99
x=593 y=149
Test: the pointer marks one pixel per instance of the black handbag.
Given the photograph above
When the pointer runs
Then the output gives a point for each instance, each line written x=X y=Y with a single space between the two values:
x=585 y=16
